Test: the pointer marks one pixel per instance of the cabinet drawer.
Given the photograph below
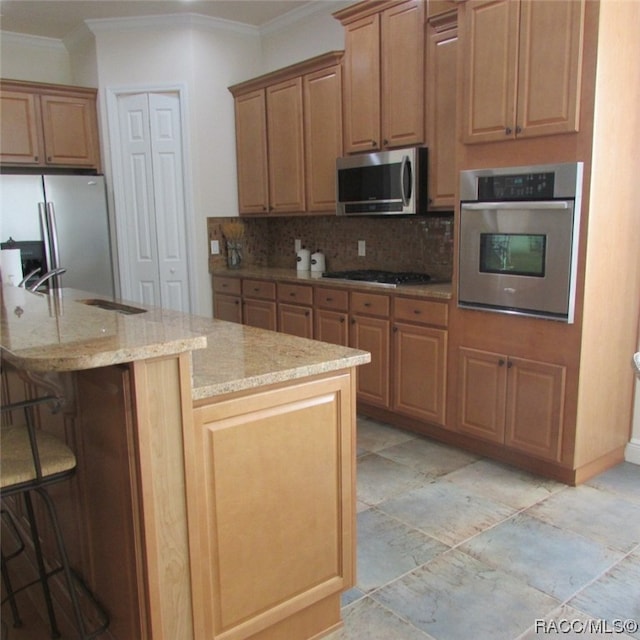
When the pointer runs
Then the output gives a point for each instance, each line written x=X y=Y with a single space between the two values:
x=295 y=293
x=421 y=311
x=335 y=299
x=370 y=303
x=227 y=285
x=259 y=289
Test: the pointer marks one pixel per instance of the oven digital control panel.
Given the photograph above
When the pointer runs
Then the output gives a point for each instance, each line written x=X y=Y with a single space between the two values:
x=524 y=186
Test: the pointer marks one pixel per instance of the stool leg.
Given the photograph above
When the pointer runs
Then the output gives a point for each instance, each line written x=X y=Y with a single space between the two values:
x=6 y=579
x=55 y=632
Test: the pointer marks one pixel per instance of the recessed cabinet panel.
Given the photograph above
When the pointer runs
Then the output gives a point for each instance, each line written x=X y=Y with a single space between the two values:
x=286 y=147
x=20 y=134
x=372 y=334
x=402 y=79
x=251 y=149
x=362 y=85
x=323 y=136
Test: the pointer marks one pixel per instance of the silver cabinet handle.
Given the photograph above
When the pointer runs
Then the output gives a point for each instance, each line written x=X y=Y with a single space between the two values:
x=483 y=206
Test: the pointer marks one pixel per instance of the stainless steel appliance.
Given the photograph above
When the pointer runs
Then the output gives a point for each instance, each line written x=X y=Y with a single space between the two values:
x=382 y=183
x=381 y=278
x=65 y=218
x=518 y=239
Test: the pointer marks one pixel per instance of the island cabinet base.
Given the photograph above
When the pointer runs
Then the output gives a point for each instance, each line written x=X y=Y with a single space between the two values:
x=270 y=495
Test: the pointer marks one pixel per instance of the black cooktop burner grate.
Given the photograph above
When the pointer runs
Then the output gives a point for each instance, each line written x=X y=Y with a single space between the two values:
x=393 y=278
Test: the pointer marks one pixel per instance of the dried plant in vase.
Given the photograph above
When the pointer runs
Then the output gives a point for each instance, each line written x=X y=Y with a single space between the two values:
x=233 y=233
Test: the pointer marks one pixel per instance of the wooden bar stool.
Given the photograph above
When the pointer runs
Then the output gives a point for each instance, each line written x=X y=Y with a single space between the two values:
x=30 y=461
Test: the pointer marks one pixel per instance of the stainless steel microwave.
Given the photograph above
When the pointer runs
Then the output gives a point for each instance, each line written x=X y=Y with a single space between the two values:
x=383 y=183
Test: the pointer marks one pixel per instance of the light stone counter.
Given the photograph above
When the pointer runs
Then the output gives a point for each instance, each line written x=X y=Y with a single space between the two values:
x=440 y=291
x=57 y=332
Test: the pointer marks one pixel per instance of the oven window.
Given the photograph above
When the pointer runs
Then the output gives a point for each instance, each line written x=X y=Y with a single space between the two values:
x=518 y=254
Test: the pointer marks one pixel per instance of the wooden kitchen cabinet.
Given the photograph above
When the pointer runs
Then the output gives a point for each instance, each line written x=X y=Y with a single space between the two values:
x=288 y=136
x=259 y=304
x=227 y=300
x=295 y=311
x=370 y=331
x=522 y=68
x=285 y=147
x=251 y=152
x=268 y=510
x=48 y=126
x=512 y=401
x=331 y=316
x=383 y=75
x=420 y=359
x=322 y=136
x=441 y=92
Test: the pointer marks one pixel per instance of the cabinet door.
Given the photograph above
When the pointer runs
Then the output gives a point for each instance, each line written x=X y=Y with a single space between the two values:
x=419 y=372
x=362 y=85
x=251 y=150
x=402 y=79
x=331 y=326
x=490 y=60
x=285 y=134
x=227 y=308
x=441 y=115
x=323 y=136
x=550 y=67
x=482 y=394
x=260 y=313
x=20 y=132
x=535 y=407
x=295 y=320
x=272 y=519
x=70 y=131
x=372 y=334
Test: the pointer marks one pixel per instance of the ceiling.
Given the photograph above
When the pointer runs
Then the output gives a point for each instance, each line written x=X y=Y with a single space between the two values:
x=60 y=18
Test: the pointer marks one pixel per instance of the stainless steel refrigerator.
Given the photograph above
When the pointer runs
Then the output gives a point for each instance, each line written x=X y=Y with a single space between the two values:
x=65 y=215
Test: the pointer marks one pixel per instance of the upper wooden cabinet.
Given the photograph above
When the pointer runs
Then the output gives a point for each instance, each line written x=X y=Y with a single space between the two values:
x=384 y=74
x=441 y=92
x=288 y=136
x=522 y=68
x=48 y=126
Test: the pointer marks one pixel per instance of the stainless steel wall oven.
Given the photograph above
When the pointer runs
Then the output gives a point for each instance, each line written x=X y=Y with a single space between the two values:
x=518 y=239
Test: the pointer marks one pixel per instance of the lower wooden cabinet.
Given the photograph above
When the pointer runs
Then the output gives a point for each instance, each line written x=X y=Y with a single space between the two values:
x=295 y=311
x=370 y=330
x=512 y=401
x=259 y=304
x=279 y=531
x=227 y=301
x=419 y=372
x=332 y=326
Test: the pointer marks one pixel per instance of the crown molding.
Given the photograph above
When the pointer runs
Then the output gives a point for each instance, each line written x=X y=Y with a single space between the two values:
x=169 y=21
x=10 y=37
x=300 y=13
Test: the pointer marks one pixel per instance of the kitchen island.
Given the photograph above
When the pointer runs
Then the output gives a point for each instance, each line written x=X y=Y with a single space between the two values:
x=215 y=482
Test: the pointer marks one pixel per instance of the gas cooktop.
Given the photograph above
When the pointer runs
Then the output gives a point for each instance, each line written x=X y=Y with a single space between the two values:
x=382 y=278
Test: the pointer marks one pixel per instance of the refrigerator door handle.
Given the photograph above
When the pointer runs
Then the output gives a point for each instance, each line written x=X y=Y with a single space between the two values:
x=46 y=236
x=53 y=236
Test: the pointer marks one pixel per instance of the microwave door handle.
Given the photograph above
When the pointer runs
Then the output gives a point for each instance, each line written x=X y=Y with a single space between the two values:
x=483 y=206
x=404 y=167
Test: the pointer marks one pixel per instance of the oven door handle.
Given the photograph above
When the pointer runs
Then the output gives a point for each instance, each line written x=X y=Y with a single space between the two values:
x=483 y=206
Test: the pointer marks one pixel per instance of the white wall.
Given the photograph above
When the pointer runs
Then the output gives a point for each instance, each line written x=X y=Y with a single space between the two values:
x=34 y=59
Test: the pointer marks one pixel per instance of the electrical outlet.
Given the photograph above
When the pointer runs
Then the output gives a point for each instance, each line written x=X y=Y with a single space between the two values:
x=362 y=248
x=297 y=245
x=215 y=247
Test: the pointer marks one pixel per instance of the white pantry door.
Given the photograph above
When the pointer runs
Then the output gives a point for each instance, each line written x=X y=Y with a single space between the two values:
x=154 y=267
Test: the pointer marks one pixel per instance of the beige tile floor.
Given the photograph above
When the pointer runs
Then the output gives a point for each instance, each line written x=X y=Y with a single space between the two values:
x=455 y=547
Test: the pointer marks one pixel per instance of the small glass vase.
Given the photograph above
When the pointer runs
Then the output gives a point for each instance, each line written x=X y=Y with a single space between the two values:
x=234 y=254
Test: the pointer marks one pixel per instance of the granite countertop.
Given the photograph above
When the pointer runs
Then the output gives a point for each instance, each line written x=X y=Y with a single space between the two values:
x=440 y=291
x=57 y=332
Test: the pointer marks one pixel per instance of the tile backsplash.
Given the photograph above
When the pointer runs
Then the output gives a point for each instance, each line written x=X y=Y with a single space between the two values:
x=418 y=243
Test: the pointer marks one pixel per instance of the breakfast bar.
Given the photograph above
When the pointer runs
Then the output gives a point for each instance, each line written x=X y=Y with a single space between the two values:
x=214 y=491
